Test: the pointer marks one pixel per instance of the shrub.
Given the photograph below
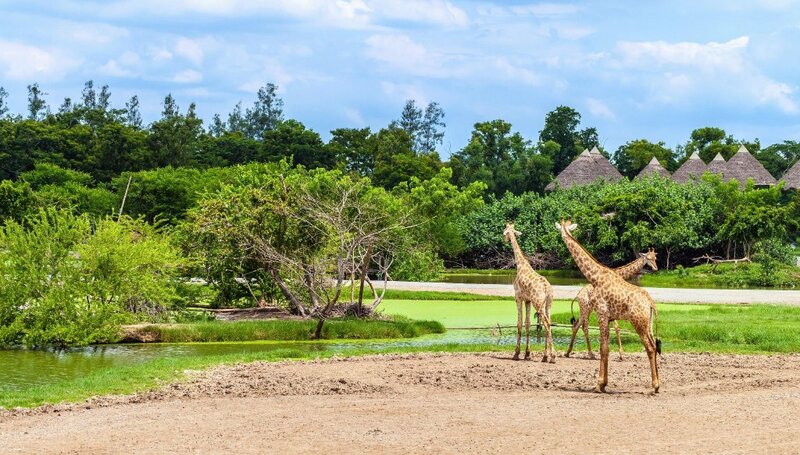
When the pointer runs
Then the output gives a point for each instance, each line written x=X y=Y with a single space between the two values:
x=68 y=280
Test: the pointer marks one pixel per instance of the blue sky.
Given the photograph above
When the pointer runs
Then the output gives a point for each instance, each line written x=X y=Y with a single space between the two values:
x=653 y=70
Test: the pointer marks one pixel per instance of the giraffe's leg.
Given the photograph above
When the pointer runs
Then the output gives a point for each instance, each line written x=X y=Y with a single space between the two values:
x=549 y=352
x=575 y=327
x=602 y=380
x=527 y=329
x=519 y=328
x=649 y=346
x=585 y=325
x=619 y=339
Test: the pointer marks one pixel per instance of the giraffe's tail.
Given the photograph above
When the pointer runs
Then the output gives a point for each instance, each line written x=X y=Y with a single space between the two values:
x=572 y=320
x=654 y=322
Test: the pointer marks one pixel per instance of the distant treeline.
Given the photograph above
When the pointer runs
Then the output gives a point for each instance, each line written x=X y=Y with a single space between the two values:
x=91 y=135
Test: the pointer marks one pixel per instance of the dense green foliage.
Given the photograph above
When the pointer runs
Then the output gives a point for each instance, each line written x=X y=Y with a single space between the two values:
x=617 y=220
x=67 y=279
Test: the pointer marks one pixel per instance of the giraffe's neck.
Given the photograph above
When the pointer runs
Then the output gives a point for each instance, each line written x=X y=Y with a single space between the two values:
x=519 y=258
x=631 y=269
x=588 y=265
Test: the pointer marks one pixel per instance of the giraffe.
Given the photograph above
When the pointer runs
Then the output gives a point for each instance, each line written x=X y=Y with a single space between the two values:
x=614 y=299
x=530 y=288
x=627 y=272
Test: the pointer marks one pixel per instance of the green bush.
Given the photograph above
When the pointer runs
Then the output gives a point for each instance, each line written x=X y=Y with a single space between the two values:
x=68 y=280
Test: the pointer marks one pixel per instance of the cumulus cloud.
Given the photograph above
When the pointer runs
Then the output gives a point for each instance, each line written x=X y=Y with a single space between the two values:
x=599 y=109
x=190 y=50
x=684 y=72
x=401 y=52
x=437 y=12
x=24 y=62
x=188 y=77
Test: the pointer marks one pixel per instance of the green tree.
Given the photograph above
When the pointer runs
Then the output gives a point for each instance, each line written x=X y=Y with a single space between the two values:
x=175 y=139
x=709 y=141
x=37 y=106
x=67 y=280
x=291 y=139
x=265 y=115
x=426 y=128
x=561 y=127
x=634 y=155
x=778 y=158
x=3 y=102
x=502 y=160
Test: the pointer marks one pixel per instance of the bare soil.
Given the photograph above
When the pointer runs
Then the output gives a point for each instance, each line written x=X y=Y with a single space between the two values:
x=437 y=403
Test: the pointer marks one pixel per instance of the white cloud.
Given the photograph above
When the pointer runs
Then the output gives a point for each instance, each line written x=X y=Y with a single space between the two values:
x=354 y=117
x=188 y=77
x=516 y=73
x=404 y=92
x=190 y=50
x=159 y=54
x=20 y=61
x=402 y=53
x=545 y=9
x=688 y=72
x=599 y=109
x=710 y=56
x=439 y=12
x=114 y=69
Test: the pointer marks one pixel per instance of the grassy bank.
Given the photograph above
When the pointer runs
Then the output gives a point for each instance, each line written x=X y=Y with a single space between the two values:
x=734 y=329
x=750 y=329
x=287 y=330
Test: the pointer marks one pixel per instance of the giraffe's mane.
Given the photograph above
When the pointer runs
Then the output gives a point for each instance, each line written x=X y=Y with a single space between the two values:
x=587 y=252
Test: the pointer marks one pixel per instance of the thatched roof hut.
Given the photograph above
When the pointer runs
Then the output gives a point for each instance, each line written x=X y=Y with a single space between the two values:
x=743 y=166
x=606 y=170
x=717 y=165
x=792 y=177
x=585 y=169
x=653 y=168
x=691 y=169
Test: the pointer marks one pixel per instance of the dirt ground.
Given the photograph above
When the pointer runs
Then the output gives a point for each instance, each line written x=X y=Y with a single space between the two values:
x=450 y=403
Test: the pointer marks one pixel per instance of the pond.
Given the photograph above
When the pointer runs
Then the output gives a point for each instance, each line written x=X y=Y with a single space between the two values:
x=24 y=368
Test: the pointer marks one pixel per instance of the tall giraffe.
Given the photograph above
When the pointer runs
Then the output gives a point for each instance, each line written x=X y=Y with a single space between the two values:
x=585 y=306
x=530 y=288
x=614 y=299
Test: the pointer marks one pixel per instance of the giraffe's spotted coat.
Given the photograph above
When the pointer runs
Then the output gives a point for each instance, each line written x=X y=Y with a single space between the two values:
x=613 y=299
x=530 y=288
x=585 y=306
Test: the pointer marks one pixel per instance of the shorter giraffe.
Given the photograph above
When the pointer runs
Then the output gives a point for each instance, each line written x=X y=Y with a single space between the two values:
x=627 y=272
x=530 y=288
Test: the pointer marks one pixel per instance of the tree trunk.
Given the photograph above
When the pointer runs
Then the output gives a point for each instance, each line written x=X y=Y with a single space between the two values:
x=294 y=305
x=364 y=269
x=318 y=332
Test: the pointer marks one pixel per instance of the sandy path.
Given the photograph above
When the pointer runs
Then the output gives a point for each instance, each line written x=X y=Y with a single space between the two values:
x=669 y=295
x=438 y=404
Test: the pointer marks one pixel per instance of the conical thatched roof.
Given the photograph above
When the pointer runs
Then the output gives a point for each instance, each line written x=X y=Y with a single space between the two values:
x=585 y=169
x=717 y=165
x=653 y=168
x=691 y=169
x=792 y=177
x=743 y=166
x=606 y=170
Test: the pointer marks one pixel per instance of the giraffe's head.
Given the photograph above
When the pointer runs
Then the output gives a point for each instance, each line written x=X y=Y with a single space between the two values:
x=650 y=258
x=509 y=232
x=566 y=226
